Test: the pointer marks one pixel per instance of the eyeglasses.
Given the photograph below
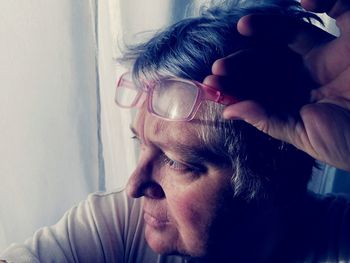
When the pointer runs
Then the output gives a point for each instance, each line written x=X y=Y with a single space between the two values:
x=172 y=99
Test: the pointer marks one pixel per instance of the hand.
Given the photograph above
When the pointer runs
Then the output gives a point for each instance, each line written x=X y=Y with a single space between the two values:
x=322 y=126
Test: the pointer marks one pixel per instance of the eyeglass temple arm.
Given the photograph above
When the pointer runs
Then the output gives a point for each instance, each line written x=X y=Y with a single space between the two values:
x=218 y=96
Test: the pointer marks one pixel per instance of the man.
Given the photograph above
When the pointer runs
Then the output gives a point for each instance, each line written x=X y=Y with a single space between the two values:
x=212 y=190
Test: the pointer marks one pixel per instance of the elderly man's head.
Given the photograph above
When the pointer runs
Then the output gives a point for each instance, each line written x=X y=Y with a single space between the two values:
x=194 y=174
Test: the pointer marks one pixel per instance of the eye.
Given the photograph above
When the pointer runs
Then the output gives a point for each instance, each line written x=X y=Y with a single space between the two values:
x=176 y=165
x=180 y=167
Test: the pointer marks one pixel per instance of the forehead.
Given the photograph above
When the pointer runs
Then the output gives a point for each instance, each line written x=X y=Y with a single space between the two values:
x=153 y=129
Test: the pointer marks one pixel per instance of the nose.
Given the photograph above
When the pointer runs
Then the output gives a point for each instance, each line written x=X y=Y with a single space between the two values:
x=142 y=182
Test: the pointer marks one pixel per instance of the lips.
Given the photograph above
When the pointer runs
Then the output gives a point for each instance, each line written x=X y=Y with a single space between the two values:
x=155 y=220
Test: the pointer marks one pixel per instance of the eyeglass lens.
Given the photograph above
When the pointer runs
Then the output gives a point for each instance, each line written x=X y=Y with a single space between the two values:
x=170 y=98
x=174 y=99
x=126 y=94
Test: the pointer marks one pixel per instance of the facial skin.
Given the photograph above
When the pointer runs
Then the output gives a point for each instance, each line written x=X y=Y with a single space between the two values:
x=183 y=190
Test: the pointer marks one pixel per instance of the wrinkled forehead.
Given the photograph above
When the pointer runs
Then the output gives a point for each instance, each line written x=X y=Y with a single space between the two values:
x=151 y=128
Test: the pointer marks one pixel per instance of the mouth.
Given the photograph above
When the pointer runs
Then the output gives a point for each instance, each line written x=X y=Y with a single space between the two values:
x=155 y=221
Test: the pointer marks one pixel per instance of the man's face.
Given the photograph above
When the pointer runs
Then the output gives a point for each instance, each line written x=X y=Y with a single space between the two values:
x=183 y=190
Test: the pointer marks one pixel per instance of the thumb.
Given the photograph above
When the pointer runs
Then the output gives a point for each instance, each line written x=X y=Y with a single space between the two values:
x=250 y=112
x=285 y=129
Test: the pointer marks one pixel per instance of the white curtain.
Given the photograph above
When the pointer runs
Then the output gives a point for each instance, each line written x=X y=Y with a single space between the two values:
x=48 y=113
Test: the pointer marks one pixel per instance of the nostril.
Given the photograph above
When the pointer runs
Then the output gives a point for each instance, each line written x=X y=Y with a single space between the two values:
x=142 y=183
x=137 y=189
x=154 y=191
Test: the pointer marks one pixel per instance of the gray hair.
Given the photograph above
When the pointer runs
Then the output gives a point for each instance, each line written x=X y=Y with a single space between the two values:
x=263 y=167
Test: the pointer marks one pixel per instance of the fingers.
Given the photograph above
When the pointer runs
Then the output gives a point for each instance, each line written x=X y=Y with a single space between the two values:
x=334 y=8
x=343 y=22
x=254 y=114
x=325 y=56
x=311 y=132
x=231 y=63
x=337 y=91
x=327 y=62
x=318 y=6
x=249 y=111
x=260 y=24
x=327 y=128
x=278 y=29
x=273 y=77
x=228 y=85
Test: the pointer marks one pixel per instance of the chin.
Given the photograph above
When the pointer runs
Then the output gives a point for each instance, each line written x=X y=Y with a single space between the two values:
x=166 y=242
x=161 y=241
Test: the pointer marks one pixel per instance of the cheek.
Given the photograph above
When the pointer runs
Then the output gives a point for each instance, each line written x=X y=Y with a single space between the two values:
x=193 y=208
x=189 y=208
x=193 y=214
x=197 y=203
x=192 y=222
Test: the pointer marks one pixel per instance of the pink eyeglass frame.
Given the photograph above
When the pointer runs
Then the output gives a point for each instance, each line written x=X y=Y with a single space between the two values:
x=205 y=92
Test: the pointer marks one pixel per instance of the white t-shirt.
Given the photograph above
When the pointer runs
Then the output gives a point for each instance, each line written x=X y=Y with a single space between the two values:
x=108 y=227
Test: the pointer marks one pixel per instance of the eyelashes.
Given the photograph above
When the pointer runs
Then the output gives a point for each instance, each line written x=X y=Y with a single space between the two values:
x=183 y=168
x=174 y=165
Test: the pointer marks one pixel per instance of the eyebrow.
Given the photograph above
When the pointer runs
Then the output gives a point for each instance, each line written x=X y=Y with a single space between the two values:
x=196 y=155
x=189 y=153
